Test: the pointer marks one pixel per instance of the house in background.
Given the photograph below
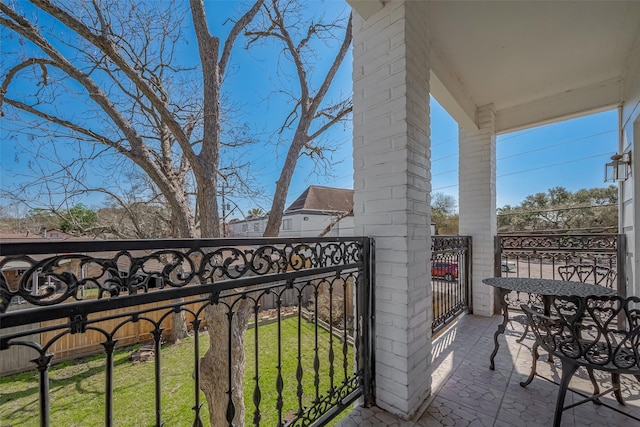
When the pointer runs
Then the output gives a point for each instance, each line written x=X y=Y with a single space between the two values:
x=13 y=270
x=309 y=215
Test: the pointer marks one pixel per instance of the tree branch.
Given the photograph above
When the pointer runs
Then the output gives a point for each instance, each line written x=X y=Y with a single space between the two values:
x=330 y=123
x=344 y=48
x=14 y=70
x=295 y=55
x=336 y=220
x=103 y=43
x=23 y=27
x=235 y=31
x=69 y=125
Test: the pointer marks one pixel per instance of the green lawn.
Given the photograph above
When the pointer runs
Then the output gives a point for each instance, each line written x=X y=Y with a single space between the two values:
x=77 y=387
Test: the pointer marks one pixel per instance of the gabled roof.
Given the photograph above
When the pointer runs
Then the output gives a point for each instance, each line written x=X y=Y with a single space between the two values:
x=326 y=199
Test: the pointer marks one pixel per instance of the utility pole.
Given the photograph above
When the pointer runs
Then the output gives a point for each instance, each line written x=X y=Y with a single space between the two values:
x=226 y=206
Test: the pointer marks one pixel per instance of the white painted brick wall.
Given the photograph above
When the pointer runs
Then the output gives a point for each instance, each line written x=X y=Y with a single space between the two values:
x=391 y=201
x=477 y=194
x=630 y=213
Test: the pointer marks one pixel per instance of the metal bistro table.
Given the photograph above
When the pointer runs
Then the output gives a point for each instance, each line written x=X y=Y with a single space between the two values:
x=547 y=288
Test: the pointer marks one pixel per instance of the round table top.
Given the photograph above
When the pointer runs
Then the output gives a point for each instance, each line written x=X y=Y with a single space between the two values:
x=549 y=286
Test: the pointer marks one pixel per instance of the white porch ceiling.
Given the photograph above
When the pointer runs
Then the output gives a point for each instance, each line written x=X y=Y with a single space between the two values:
x=535 y=61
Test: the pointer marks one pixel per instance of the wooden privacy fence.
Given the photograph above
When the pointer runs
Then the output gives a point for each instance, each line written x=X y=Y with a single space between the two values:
x=18 y=358
x=72 y=346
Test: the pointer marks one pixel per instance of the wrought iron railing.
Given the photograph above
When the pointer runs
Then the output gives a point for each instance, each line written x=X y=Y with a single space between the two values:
x=590 y=258
x=450 y=278
x=99 y=292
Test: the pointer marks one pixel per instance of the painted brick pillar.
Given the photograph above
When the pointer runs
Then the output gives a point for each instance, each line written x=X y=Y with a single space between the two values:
x=477 y=202
x=392 y=186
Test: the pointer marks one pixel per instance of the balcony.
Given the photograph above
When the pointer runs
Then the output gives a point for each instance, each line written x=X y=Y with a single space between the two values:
x=465 y=392
x=65 y=300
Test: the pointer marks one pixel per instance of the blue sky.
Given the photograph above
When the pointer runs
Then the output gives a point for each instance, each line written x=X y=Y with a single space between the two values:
x=569 y=154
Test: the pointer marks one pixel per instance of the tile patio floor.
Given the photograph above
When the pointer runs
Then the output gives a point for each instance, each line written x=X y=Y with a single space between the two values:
x=466 y=393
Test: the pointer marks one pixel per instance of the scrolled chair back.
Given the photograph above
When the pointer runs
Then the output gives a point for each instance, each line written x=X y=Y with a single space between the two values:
x=602 y=332
x=599 y=333
x=589 y=273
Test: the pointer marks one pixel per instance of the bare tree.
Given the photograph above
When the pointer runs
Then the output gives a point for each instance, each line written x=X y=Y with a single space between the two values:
x=118 y=60
x=122 y=56
x=312 y=114
x=105 y=76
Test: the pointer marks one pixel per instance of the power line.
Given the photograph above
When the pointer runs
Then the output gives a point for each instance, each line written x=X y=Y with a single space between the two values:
x=557 y=209
x=525 y=170
x=553 y=165
x=546 y=147
x=556 y=145
x=442 y=188
x=444 y=142
x=516 y=135
x=445 y=173
x=445 y=157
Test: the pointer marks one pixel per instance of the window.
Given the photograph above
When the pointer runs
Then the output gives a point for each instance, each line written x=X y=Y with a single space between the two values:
x=256 y=226
x=286 y=224
x=245 y=227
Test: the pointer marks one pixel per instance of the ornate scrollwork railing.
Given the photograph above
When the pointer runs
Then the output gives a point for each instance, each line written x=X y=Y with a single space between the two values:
x=560 y=242
x=589 y=258
x=94 y=290
x=450 y=278
x=134 y=270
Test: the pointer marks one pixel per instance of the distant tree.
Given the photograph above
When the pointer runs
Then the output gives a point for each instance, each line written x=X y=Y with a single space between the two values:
x=560 y=209
x=512 y=218
x=443 y=213
x=255 y=212
x=442 y=204
x=39 y=217
x=133 y=221
x=77 y=219
x=604 y=212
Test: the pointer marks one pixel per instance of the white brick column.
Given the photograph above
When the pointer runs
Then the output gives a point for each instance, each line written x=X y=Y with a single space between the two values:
x=477 y=183
x=392 y=185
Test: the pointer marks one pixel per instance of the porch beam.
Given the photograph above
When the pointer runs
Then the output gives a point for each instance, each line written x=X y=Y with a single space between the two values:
x=566 y=105
x=366 y=8
x=450 y=93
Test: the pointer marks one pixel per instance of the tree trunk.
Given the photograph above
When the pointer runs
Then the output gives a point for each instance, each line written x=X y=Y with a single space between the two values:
x=224 y=362
x=272 y=228
x=219 y=363
x=207 y=200
x=179 y=327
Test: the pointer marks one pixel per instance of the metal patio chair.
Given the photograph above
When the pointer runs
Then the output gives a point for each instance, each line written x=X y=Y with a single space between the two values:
x=598 y=333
